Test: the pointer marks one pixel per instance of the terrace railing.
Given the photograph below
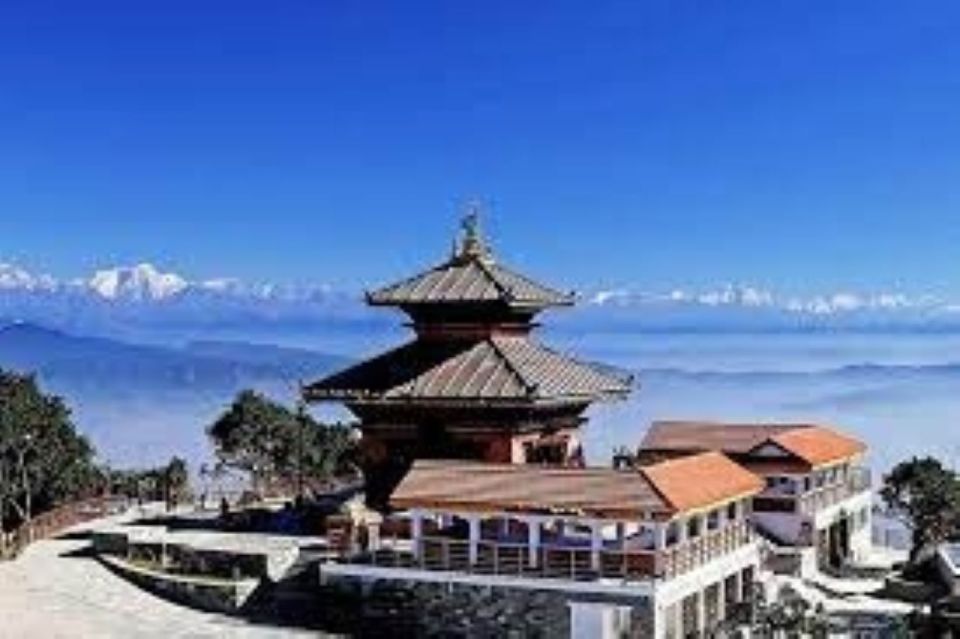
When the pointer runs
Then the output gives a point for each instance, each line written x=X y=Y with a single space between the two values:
x=564 y=562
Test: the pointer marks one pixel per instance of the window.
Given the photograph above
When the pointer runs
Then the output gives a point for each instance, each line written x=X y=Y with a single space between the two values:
x=693 y=528
x=713 y=520
x=765 y=505
x=732 y=511
x=673 y=533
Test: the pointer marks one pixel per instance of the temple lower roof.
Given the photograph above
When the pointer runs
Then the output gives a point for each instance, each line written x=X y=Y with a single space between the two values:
x=500 y=368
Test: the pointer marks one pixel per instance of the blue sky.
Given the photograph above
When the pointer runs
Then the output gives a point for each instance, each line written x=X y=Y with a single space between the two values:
x=802 y=146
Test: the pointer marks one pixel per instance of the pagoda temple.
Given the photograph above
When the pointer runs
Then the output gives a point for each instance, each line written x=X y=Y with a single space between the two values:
x=473 y=384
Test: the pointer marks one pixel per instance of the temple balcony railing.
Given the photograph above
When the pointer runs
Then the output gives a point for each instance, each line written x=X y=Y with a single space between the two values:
x=555 y=561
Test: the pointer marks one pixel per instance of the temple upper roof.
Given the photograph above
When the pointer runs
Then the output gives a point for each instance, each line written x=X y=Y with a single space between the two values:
x=499 y=369
x=471 y=275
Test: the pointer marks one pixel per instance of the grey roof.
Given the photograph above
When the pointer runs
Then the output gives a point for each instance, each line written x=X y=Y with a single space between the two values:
x=497 y=369
x=469 y=278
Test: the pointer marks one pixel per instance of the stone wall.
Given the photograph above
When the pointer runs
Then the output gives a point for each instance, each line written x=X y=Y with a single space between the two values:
x=212 y=595
x=419 y=609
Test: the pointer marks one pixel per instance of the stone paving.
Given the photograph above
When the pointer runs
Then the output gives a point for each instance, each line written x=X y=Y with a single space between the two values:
x=47 y=593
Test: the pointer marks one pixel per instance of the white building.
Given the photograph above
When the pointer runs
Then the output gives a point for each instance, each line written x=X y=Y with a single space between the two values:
x=817 y=497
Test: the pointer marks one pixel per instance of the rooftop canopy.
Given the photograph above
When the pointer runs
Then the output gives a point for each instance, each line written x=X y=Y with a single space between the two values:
x=810 y=444
x=661 y=491
x=499 y=369
x=470 y=276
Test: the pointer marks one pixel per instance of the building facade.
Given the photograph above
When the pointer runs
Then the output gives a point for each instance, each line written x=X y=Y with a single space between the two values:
x=817 y=494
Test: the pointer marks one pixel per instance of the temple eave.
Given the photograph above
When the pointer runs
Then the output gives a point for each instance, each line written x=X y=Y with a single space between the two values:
x=370 y=399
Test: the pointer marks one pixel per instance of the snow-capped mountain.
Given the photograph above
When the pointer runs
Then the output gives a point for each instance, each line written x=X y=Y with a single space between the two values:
x=141 y=282
x=15 y=278
x=748 y=297
x=144 y=301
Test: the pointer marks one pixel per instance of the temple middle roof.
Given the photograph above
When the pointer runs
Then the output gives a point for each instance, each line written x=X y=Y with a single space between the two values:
x=500 y=368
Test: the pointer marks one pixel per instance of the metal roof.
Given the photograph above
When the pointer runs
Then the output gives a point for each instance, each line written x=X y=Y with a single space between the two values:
x=470 y=279
x=498 y=368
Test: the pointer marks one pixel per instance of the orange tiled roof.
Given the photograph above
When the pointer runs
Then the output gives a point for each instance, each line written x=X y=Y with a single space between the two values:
x=701 y=481
x=811 y=444
x=819 y=445
x=662 y=490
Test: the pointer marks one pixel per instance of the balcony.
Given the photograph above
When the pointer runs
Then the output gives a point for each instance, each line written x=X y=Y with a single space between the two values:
x=557 y=560
x=857 y=481
x=786 y=498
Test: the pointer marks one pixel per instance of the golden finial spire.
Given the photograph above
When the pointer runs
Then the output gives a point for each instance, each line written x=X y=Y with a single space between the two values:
x=472 y=245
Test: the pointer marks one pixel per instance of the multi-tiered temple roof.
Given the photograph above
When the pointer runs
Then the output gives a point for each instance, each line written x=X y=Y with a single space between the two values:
x=472 y=317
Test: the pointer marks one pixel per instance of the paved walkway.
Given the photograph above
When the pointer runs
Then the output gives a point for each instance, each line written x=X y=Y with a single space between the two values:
x=46 y=594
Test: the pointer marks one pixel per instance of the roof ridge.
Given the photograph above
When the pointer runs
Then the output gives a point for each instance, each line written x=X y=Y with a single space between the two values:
x=568 y=296
x=500 y=286
x=532 y=388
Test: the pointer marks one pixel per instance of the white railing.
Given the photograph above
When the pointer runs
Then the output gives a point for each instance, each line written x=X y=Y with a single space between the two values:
x=562 y=561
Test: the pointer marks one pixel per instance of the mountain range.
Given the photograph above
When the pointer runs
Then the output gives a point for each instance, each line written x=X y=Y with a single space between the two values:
x=146 y=303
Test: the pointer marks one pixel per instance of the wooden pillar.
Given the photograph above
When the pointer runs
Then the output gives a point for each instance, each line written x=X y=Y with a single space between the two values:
x=474 y=522
x=659 y=535
x=534 y=526
x=416 y=532
x=596 y=544
x=722 y=600
x=701 y=597
x=677 y=611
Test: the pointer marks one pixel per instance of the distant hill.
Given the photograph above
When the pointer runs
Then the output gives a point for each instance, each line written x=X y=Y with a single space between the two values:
x=139 y=403
x=101 y=363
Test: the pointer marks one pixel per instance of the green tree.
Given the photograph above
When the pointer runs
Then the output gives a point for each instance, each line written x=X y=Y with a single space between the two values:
x=269 y=441
x=43 y=460
x=926 y=497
